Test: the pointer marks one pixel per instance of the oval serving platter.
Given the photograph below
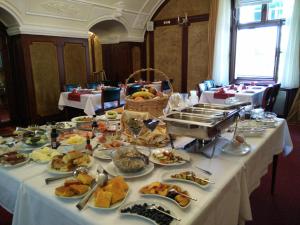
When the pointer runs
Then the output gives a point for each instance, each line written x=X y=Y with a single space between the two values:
x=149 y=202
x=166 y=176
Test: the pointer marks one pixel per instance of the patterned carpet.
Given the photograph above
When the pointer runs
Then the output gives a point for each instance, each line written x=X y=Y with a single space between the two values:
x=283 y=208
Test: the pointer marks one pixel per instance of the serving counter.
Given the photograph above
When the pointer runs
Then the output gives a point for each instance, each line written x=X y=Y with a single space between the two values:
x=24 y=192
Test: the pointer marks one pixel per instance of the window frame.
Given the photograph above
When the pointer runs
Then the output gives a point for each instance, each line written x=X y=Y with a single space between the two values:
x=235 y=26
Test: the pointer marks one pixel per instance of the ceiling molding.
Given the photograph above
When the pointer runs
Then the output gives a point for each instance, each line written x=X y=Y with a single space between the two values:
x=110 y=7
x=52 y=31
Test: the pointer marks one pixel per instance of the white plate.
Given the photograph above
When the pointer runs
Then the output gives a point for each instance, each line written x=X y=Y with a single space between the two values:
x=73 y=197
x=231 y=149
x=103 y=117
x=114 y=171
x=180 y=153
x=103 y=154
x=149 y=202
x=67 y=125
x=169 y=199
x=114 y=206
x=16 y=165
x=74 y=120
x=166 y=176
x=53 y=171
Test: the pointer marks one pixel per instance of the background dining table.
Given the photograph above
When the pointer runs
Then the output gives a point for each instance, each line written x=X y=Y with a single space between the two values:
x=90 y=103
x=224 y=203
x=253 y=94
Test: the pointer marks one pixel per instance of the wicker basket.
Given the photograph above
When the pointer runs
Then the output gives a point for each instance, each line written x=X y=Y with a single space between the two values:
x=153 y=106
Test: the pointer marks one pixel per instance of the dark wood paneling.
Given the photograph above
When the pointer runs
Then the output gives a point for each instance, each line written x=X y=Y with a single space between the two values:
x=174 y=21
x=184 y=58
x=23 y=85
x=117 y=60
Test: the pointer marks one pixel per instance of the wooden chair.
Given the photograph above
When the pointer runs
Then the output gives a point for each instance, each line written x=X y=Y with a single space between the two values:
x=270 y=96
x=133 y=88
x=266 y=98
x=111 y=94
x=70 y=87
x=201 y=87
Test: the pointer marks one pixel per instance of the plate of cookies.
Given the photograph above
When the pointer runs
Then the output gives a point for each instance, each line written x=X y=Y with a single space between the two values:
x=66 y=163
x=110 y=196
x=75 y=188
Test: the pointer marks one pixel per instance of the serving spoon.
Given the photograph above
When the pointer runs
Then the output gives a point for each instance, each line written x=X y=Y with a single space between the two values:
x=173 y=191
x=75 y=173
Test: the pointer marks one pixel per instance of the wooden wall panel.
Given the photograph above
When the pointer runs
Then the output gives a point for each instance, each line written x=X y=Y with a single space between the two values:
x=197 y=54
x=45 y=72
x=136 y=58
x=167 y=53
x=75 y=64
x=176 y=8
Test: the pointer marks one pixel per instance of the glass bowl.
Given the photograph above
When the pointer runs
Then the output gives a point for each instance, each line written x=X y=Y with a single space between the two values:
x=127 y=159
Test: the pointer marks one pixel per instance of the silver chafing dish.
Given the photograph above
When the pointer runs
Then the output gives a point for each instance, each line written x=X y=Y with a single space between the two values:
x=202 y=121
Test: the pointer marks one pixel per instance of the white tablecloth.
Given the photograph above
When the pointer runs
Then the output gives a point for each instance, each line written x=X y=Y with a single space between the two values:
x=88 y=102
x=255 y=98
x=224 y=203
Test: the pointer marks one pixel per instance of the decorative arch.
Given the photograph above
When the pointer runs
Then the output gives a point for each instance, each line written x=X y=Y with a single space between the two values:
x=110 y=30
x=10 y=16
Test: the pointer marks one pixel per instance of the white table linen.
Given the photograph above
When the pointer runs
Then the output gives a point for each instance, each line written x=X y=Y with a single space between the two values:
x=225 y=203
x=255 y=98
x=88 y=102
x=11 y=180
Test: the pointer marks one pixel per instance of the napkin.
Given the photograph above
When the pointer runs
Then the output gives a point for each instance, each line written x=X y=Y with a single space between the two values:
x=74 y=96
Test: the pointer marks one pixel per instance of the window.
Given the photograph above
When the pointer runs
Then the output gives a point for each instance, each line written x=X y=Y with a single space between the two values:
x=255 y=41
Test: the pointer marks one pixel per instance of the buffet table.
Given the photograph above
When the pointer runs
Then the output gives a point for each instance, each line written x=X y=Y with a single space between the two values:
x=224 y=203
x=88 y=102
x=253 y=94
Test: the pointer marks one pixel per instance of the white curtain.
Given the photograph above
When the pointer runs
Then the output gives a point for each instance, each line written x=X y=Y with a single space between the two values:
x=288 y=74
x=220 y=72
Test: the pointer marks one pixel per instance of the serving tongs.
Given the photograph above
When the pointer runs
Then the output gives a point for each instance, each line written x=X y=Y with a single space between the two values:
x=100 y=181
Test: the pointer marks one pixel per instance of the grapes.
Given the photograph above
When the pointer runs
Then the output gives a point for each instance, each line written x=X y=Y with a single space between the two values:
x=152 y=214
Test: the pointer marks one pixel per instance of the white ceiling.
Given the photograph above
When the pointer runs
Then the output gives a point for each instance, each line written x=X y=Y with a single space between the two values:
x=74 y=18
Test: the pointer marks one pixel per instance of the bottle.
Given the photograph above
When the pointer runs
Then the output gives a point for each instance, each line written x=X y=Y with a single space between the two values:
x=88 y=145
x=94 y=126
x=54 y=135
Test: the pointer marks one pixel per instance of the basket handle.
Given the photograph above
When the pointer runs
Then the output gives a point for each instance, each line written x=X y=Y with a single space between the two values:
x=150 y=70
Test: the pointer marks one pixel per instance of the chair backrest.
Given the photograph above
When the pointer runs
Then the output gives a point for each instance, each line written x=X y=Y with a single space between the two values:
x=201 y=87
x=92 y=85
x=133 y=88
x=266 y=101
x=209 y=83
x=273 y=97
x=165 y=85
x=70 y=87
x=111 y=83
x=110 y=94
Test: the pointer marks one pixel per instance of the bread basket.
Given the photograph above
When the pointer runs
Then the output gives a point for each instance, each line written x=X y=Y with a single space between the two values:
x=153 y=106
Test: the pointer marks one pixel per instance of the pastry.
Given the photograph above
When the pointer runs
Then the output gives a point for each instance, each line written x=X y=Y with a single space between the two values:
x=79 y=189
x=71 y=182
x=103 y=199
x=85 y=178
x=64 y=191
x=71 y=156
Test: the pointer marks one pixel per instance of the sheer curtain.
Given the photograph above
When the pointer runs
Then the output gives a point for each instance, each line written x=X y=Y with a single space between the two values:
x=220 y=72
x=289 y=68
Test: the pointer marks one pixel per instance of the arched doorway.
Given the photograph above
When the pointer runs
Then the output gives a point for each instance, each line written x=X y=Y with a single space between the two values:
x=7 y=20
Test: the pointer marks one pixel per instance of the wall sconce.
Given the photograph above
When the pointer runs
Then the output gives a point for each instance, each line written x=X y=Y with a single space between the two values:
x=184 y=21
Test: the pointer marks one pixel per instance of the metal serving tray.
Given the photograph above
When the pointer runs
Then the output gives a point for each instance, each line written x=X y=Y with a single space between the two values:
x=222 y=106
x=215 y=113
x=198 y=125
